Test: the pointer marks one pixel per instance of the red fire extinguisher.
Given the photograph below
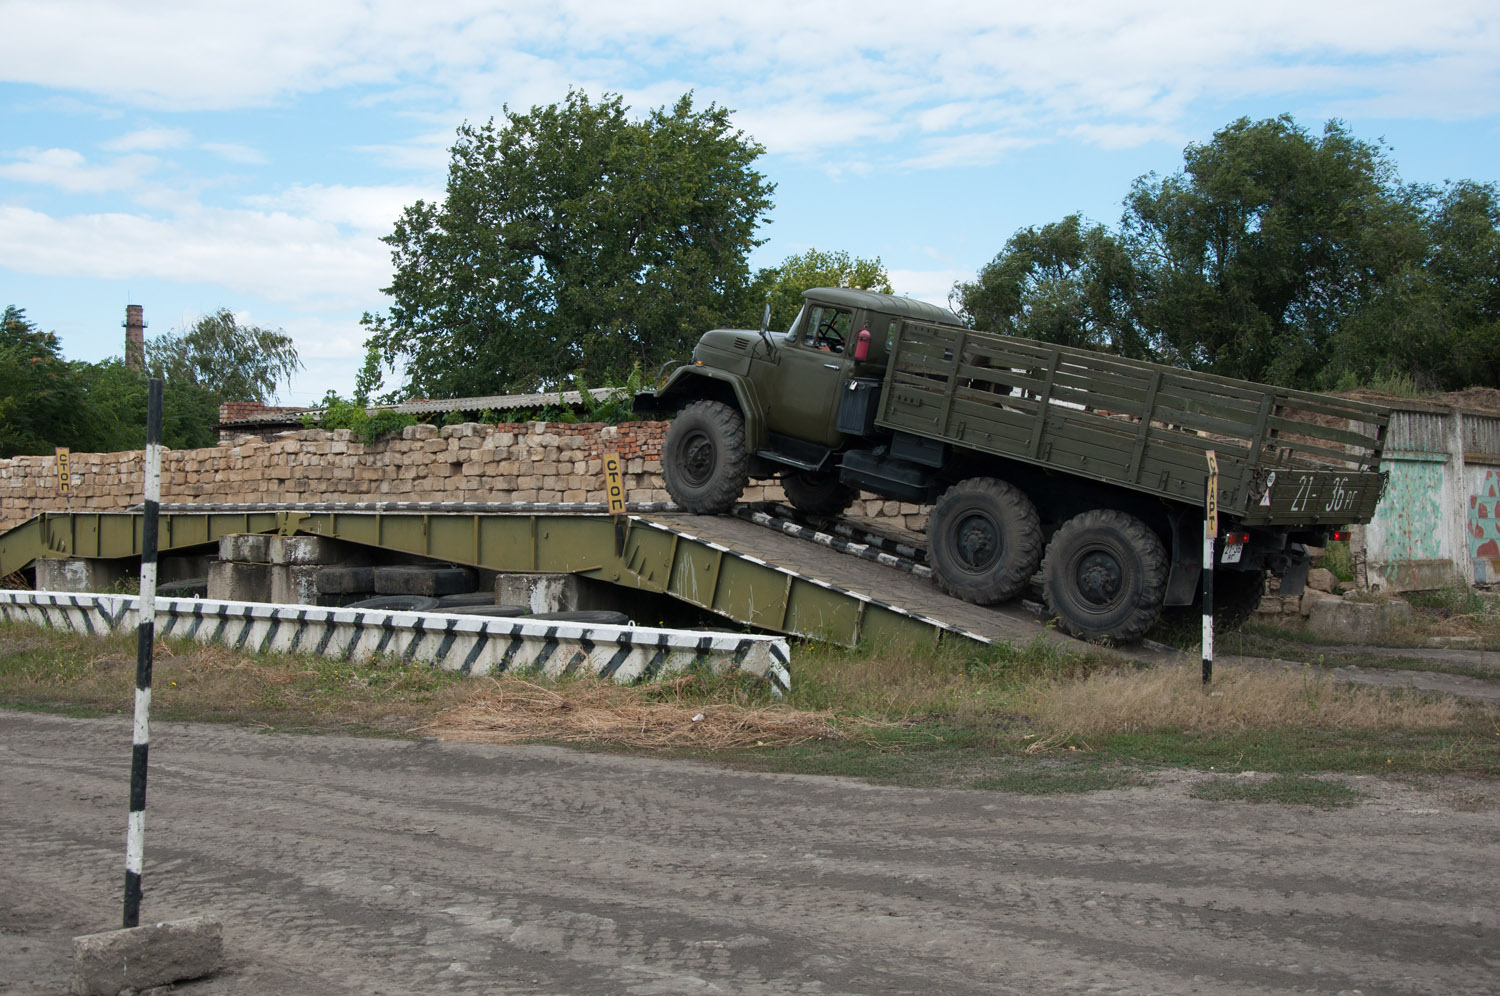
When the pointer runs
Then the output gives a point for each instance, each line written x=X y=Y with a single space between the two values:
x=862 y=345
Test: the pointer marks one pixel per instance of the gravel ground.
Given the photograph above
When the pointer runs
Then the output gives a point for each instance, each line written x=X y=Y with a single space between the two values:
x=343 y=865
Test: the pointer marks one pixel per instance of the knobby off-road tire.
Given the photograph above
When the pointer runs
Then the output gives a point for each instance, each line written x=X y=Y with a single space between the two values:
x=817 y=493
x=984 y=540
x=1104 y=576
x=705 y=462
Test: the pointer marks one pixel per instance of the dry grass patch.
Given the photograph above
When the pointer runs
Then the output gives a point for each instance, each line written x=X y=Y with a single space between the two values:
x=1174 y=699
x=512 y=710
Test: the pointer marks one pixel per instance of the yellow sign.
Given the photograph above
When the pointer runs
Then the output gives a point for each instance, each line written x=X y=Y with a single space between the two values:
x=614 y=486
x=1213 y=493
x=64 y=476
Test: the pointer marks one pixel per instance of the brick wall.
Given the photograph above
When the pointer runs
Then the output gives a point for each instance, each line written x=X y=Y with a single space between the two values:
x=526 y=461
x=231 y=410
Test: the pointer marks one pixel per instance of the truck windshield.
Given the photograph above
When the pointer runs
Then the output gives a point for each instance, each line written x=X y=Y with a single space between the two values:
x=826 y=328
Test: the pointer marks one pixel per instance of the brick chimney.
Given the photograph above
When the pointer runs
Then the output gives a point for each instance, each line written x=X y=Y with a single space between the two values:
x=135 y=337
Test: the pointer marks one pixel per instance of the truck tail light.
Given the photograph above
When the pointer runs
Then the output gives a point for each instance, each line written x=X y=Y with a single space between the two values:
x=1339 y=534
x=1236 y=539
x=862 y=345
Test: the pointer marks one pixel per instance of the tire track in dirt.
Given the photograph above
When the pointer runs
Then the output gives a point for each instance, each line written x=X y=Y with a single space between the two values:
x=346 y=865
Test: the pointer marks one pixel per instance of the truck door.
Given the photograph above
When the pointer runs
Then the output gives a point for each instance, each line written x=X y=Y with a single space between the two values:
x=815 y=365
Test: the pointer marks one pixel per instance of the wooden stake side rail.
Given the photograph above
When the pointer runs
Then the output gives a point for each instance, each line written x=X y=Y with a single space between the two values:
x=632 y=551
x=1138 y=425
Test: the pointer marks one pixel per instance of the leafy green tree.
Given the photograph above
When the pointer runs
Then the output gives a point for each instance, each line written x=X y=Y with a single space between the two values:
x=114 y=396
x=237 y=363
x=1253 y=255
x=1066 y=283
x=1275 y=255
x=40 y=398
x=781 y=286
x=572 y=238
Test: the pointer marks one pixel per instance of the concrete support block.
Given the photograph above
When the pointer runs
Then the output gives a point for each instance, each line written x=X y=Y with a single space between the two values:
x=141 y=957
x=80 y=574
x=548 y=592
x=417 y=579
x=238 y=582
x=245 y=548
x=294 y=584
x=1355 y=622
x=299 y=550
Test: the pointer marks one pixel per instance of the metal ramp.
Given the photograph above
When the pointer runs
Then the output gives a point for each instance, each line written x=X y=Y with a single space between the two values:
x=735 y=568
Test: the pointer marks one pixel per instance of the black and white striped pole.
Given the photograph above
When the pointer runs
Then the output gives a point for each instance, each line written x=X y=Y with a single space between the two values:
x=135 y=836
x=1210 y=532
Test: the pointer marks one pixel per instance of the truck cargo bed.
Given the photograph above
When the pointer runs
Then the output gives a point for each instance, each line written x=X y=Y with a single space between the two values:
x=1284 y=456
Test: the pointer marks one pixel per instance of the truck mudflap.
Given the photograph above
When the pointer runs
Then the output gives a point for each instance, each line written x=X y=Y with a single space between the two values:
x=1305 y=496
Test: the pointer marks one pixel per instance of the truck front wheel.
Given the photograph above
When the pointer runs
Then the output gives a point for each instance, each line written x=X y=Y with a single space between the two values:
x=705 y=462
x=817 y=493
x=1105 y=576
x=984 y=539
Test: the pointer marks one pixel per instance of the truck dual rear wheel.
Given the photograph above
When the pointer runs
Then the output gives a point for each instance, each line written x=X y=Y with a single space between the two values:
x=1105 y=576
x=984 y=539
x=705 y=462
x=817 y=493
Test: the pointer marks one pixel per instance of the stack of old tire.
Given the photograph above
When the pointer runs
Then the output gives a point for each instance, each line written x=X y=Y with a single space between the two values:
x=434 y=588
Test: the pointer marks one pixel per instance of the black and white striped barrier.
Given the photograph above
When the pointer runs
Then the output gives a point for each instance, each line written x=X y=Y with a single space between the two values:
x=847 y=529
x=470 y=644
x=864 y=551
x=135 y=832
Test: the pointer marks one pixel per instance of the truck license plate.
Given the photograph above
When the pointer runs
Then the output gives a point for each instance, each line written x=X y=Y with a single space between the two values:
x=1232 y=553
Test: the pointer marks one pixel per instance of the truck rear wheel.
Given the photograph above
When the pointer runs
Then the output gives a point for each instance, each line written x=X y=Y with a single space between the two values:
x=817 y=493
x=705 y=462
x=1105 y=576
x=984 y=540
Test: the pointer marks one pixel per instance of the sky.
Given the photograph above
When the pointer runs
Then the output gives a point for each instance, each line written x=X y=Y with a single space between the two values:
x=191 y=156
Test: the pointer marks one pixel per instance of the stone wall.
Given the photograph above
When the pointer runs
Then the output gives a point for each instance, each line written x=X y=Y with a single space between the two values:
x=527 y=461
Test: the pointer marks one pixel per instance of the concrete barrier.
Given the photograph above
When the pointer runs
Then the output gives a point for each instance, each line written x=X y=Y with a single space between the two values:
x=142 y=957
x=470 y=644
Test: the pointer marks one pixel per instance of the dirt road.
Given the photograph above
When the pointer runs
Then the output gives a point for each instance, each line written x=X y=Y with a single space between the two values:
x=353 y=866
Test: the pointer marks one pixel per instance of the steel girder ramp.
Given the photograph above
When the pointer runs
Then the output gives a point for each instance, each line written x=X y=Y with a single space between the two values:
x=649 y=552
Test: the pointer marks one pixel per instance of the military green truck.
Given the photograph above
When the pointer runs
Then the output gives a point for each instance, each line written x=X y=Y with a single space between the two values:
x=1087 y=467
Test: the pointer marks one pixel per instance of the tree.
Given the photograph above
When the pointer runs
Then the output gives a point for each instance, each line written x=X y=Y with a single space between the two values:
x=1063 y=283
x=572 y=238
x=40 y=401
x=217 y=354
x=781 y=286
x=114 y=395
x=1254 y=254
x=1274 y=255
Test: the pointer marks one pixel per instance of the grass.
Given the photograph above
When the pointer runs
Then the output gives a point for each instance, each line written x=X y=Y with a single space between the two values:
x=1038 y=718
x=1287 y=790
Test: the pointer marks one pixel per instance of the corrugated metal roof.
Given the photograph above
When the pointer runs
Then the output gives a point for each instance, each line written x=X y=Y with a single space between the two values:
x=492 y=402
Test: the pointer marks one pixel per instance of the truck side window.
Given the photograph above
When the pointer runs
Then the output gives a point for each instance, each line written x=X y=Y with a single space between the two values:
x=827 y=328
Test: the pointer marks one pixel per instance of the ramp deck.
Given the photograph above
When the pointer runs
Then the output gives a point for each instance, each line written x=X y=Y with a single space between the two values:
x=746 y=572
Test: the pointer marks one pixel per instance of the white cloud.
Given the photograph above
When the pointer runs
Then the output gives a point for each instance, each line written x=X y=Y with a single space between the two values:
x=282 y=258
x=365 y=209
x=69 y=171
x=149 y=140
x=806 y=78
